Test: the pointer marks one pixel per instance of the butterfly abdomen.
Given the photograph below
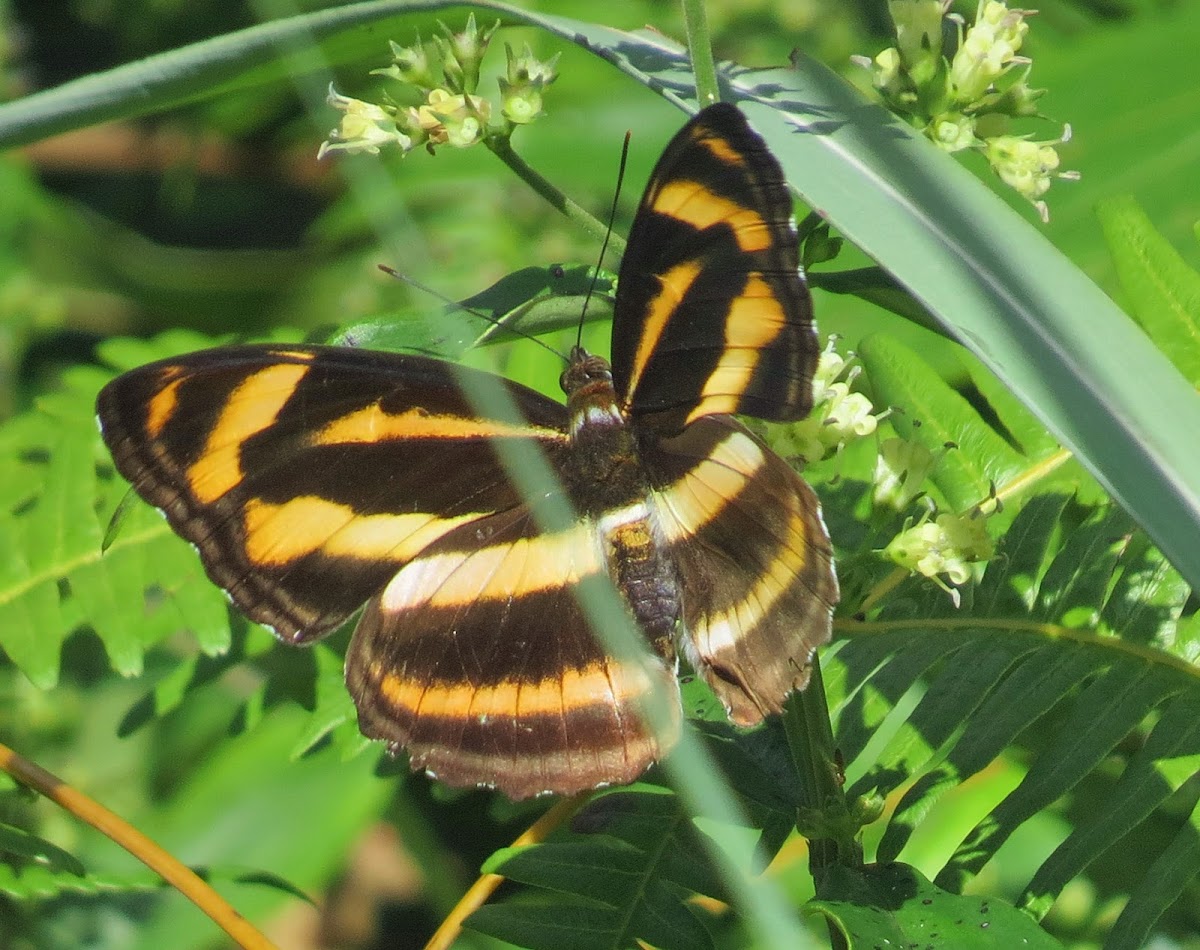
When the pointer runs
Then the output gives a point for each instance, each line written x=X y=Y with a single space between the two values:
x=646 y=576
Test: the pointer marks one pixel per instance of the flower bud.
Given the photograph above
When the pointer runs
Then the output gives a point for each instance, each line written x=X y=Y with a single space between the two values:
x=410 y=64
x=462 y=53
x=521 y=89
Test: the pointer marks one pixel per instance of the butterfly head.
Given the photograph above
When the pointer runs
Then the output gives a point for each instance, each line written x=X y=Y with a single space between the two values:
x=585 y=371
x=591 y=400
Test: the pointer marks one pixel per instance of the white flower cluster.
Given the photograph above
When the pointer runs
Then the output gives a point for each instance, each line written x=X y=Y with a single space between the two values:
x=967 y=101
x=452 y=114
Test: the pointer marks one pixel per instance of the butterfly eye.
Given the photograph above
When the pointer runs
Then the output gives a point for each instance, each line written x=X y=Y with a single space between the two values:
x=583 y=370
x=598 y=370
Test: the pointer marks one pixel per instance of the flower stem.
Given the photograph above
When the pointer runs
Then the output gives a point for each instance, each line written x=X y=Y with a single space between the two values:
x=825 y=815
x=502 y=149
x=700 y=47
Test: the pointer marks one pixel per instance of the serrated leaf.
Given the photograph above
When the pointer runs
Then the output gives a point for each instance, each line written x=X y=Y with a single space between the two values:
x=54 y=533
x=893 y=905
x=936 y=416
x=1162 y=290
x=54 y=574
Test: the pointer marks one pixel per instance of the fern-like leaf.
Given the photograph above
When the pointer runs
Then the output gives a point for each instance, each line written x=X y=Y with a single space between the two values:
x=625 y=883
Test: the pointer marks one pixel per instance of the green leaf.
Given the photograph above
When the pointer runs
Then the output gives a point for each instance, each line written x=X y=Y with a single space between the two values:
x=528 y=302
x=227 y=815
x=1163 y=292
x=625 y=882
x=55 y=575
x=39 y=883
x=1102 y=716
x=758 y=767
x=876 y=286
x=65 y=875
x=1068 y=596
x=17 y=842
x=1017 y=423
x=1074 y=630
x=1162 y=884
x=1169 y=757
x=893 y=905
x=333 y=708
x=936 y=416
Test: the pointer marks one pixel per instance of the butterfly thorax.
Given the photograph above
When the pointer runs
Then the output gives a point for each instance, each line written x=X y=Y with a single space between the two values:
x=608 y=484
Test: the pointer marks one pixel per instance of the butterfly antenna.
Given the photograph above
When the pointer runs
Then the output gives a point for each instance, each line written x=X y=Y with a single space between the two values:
x=486 y=318
x=612 y=215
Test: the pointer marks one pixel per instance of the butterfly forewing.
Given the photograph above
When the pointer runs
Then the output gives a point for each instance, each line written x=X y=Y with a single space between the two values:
x=305 y=476
x=712 y=315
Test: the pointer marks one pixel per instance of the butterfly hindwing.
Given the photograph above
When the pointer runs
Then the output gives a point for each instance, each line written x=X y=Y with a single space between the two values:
x=305 y=476
x=754 y=559
x=712 y=315
x=476 y=682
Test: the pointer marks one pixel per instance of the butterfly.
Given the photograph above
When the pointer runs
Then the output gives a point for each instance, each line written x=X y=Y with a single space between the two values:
x=314 y=480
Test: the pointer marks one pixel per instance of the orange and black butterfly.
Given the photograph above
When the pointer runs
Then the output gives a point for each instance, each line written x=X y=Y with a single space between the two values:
x=314 y=480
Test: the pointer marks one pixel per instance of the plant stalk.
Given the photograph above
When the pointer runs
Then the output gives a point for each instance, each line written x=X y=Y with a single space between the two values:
x=700 y=47
x=502 y=148
x=824 y=818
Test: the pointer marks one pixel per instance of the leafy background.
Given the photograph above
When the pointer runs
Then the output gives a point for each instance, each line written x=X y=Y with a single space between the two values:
x=1039 y=739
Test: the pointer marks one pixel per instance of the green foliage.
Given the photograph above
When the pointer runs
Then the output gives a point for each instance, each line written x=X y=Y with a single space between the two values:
x=57 y=577
x=626 y=879
x=1163 y=291
x=897 y=904
x=1063 y=686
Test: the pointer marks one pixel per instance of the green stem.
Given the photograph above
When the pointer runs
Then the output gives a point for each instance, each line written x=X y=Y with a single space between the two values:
x=700 y=47
x=502 y=148
x=825 y=815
